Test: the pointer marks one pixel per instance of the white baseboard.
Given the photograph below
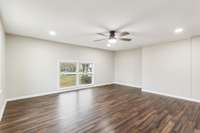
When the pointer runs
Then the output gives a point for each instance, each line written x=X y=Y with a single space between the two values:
x=3 y=109
x=173 y=96
x=159 y=93
x=127 y=84
x=90 y=86
x=57 y=91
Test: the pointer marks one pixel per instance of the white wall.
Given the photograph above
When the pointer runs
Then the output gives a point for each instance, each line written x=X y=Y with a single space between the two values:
x=196 y=68
x=170 y=68
x=32 y=64
x=167 y=68
x=128 y=67
x=2 y=69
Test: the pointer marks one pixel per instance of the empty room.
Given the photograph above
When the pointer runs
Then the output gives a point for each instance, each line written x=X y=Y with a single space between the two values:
x=99 y=66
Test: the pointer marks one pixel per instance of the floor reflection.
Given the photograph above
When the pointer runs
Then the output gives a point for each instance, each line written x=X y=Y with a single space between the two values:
x=75 y=102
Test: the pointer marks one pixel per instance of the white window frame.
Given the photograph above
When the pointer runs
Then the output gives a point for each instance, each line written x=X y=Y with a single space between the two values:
x=77 y=73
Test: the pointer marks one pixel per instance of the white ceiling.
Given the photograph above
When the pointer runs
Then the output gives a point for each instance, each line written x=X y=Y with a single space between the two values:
x=77 y=21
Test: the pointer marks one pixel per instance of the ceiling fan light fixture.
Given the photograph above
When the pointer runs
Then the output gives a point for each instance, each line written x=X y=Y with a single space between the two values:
x=178 y=30
x=52 y=33
x=112 y=40
x=108 y=45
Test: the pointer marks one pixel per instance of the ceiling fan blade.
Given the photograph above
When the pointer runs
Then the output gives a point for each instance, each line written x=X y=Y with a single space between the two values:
x=101 y=34
x=125 y=39
x=124 y=33
x=100 y=40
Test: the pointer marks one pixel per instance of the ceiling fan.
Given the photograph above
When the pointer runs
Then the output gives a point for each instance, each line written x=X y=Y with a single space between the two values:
x=113 y=36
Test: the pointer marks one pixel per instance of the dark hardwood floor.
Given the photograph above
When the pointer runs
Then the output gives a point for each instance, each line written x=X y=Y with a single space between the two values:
x=107 y=109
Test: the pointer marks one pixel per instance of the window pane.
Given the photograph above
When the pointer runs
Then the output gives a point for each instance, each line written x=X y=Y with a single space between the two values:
x=85 y=79
x=67 y=67
x=67 y=80
x=85 y=67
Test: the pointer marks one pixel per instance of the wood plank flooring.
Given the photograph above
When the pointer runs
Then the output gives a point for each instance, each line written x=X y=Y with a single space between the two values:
x=107 y=109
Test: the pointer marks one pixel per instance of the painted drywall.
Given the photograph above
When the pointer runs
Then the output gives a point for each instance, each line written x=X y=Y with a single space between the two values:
x=2 y=69
x=196 y=68
x=128 y=67
x=32 y=64
x=167 y=68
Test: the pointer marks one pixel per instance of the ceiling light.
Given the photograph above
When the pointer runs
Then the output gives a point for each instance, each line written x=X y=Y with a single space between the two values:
x=178 y=30
x=108 y=45
x=112 y=40
x=52 y=33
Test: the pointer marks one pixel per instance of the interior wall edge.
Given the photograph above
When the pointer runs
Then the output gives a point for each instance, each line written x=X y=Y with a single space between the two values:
x=2 y=69
x=3 y=109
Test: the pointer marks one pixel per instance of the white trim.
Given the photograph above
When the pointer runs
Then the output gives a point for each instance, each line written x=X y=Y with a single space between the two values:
x=127 y=84
x=58 y=91
x=77 y=73
x=159 y=93
x=3 y=109
x=173 y=96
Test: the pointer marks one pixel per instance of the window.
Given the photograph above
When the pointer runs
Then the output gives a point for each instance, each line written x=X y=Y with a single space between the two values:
x=75 y=74
x=85 y=73
x=67 y=74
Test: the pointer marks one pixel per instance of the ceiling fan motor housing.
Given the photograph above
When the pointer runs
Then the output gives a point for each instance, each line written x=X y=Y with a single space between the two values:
x=112 y=34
